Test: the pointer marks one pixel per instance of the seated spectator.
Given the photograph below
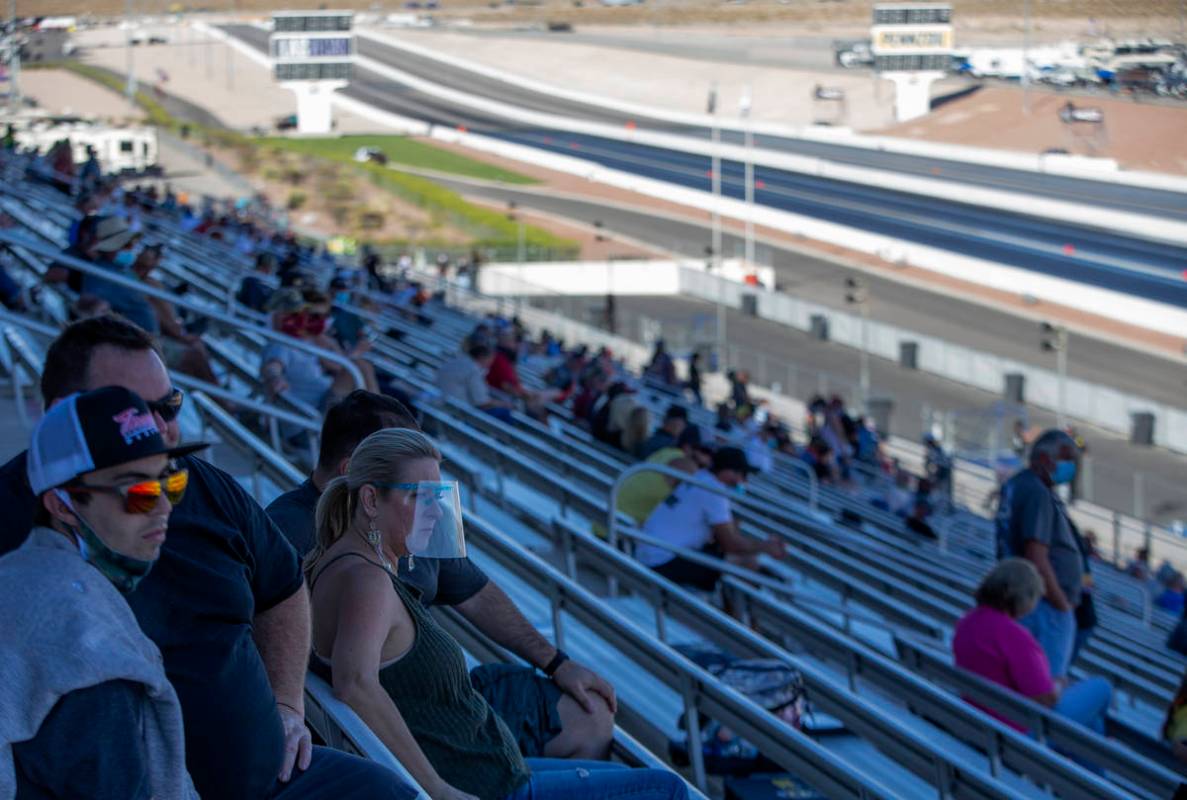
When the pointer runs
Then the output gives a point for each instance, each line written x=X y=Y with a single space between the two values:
x=255 y=290
x=760 y=444
x=699 y=519
x=641 y=493
x=1139 y=566
x=463 y=378
x=565 y=378
x=920 y=509
x=634 y=433
x=557 y=717
x=823 y=460
x=115 y=249
x=593 y=385
x=740 y=391
x=235 y=638
x=1171 y=598
x=618 y=417
x=390 y=660
x=1166 y=573
x=83 y=664
x=667 y=434
x=725 y=418
x=183 y=351
x=938 y=466
x=315 y=381
x=990 y=642
x=503 y=375
x=1174 y=729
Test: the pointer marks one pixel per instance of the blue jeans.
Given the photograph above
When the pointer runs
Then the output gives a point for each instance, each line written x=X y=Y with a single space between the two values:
x=1087 y=703
x=1056 y=634
x=563 y=779
x=334 y=775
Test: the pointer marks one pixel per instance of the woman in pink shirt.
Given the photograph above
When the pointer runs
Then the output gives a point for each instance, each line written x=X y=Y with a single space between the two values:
x=990 y=642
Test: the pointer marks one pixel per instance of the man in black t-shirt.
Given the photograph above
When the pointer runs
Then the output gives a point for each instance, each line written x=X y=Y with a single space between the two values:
x=225 y=603
x=569 y=713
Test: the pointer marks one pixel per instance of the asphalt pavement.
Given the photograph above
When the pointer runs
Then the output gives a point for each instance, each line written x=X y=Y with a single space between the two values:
x=1136 y=200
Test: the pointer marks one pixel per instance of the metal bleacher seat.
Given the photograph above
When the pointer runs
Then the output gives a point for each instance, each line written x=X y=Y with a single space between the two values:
x=862 y=608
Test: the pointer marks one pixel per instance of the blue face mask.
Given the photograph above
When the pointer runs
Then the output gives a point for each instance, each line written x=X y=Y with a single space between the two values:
x=1064 y=472
x=342 y=297
x=740 y=489
x=124 y=258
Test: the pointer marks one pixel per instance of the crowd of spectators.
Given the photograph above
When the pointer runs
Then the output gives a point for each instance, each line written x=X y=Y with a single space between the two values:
x=214 y=618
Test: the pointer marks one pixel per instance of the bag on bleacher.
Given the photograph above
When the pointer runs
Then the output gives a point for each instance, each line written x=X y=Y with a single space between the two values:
x=769 y=683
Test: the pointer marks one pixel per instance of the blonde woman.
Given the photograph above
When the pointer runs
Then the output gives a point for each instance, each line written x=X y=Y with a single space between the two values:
x=388 y=658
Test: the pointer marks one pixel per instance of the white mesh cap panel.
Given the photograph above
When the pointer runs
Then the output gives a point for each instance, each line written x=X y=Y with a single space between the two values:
x=58 y=452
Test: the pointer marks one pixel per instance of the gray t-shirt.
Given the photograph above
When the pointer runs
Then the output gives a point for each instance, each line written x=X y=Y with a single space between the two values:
x=303 y=372
x=1029 y=510
x=462 y=379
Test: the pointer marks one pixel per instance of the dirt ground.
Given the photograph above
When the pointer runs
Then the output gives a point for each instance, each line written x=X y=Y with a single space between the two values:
x=983 y=17
x=1140 y=136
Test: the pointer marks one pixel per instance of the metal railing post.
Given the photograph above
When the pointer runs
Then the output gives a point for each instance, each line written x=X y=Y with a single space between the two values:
x=692 y=728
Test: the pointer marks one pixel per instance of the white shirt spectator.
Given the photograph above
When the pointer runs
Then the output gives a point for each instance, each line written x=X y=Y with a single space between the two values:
x=463 y=380
x=685 y=519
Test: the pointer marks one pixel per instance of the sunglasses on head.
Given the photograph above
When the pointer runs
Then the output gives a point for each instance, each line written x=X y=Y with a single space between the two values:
x=142 y=497
x=169 y=406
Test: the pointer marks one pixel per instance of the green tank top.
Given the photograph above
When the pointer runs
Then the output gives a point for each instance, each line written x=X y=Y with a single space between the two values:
x=458 y=731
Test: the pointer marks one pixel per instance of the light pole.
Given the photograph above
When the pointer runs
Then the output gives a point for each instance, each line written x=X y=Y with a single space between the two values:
x=520 y=255
x=857 y=294
x=715 y=254
x=1026 y=56
x=744 y=111
x=1055 y=339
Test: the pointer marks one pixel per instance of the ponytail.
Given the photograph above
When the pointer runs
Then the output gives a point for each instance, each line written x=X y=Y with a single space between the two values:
x=377 y=460
x=334 y=511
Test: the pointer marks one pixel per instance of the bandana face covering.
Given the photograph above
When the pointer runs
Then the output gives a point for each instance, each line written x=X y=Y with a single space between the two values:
x=124 y=572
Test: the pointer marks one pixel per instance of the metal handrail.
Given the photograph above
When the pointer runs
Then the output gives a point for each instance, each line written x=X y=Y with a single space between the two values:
x=784 y=745
x=1046 y=724
x=182 y=302
x=923 y=699
x=662 y=469
x=340 y=727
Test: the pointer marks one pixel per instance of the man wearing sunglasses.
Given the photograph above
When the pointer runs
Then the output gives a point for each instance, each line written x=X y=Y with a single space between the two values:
x=225 y=603
x=106 y=485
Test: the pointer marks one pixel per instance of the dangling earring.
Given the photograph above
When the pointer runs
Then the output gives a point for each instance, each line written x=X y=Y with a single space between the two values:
x=373 y=536
x=411 y=562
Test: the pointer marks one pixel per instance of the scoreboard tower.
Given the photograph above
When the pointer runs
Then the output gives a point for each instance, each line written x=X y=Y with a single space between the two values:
x=912 y=46
x=312 y=53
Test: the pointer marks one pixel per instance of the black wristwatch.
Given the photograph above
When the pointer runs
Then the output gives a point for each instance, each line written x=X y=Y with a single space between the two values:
x=560 y=658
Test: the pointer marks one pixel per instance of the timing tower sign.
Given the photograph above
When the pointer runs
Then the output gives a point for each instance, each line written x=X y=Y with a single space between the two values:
x=312 y=53
x=912 y=46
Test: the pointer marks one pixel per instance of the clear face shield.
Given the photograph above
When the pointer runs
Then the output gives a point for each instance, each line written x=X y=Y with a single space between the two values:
x=436 y=530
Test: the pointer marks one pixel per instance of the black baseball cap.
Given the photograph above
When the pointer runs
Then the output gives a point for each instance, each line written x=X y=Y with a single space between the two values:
x=94 y=430
x=676 y=412
x=731 y=458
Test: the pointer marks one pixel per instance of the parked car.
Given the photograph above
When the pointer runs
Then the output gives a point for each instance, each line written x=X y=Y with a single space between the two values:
x=286 y=123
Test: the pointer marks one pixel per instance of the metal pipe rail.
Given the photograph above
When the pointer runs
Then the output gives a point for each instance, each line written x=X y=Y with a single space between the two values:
x=342 y=729
x=1045 y=724
x=23 y=367
x=859 y=660
x=791 y=749
x=624 y=746
x=87 y=268
x=265 y=460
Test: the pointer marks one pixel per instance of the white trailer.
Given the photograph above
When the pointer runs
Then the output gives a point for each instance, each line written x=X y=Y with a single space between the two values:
x=120 y=150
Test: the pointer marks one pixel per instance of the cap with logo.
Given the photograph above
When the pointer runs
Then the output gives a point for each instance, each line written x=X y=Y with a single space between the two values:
x=731 y=458
x=92 y=431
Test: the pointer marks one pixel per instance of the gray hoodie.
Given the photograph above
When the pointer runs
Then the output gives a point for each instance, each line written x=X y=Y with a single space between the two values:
x=73 y=630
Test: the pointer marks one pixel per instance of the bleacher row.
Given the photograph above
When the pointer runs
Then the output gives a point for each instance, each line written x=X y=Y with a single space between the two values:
x=861 y=607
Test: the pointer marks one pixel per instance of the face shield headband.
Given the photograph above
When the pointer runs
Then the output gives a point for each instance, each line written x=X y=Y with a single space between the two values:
x=436 y=530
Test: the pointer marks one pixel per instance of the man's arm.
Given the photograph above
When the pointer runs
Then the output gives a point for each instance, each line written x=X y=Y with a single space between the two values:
x=493 y=613
x=731 y=541
x=282 y=636
x=1036 y=552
